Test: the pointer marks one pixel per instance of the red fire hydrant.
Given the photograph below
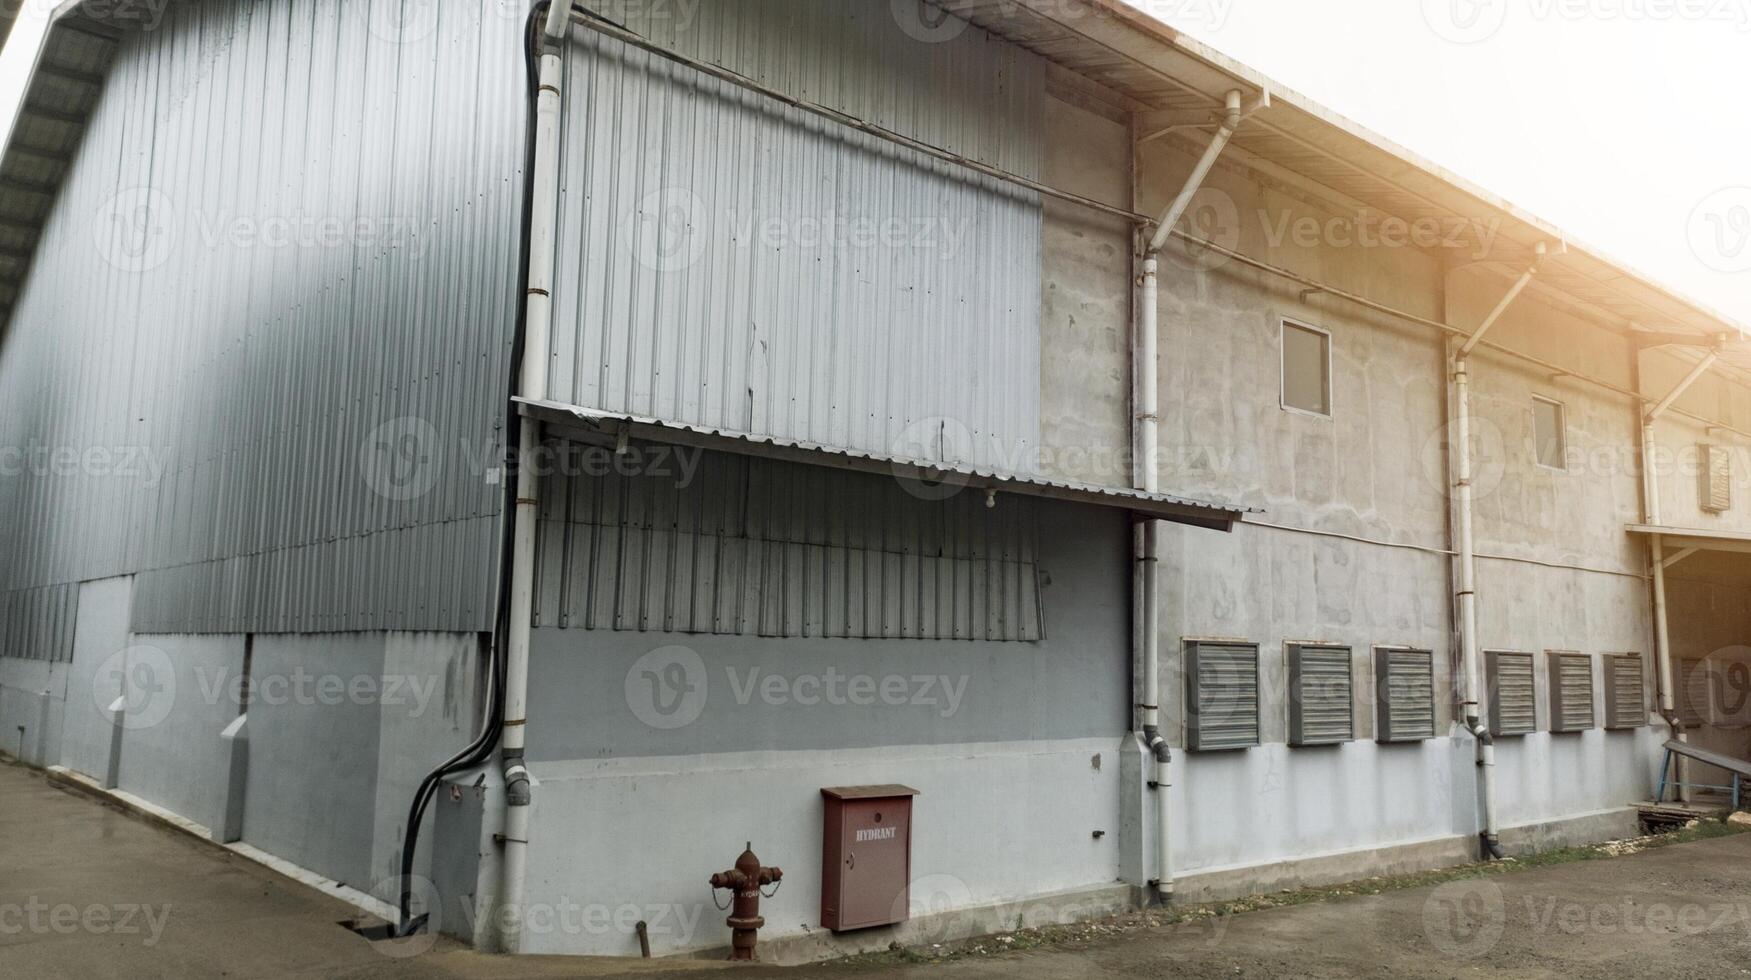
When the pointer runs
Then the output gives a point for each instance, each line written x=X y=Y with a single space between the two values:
x=745 y=880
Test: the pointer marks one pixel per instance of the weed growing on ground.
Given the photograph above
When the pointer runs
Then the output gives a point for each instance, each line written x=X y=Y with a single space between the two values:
x=1080 y=934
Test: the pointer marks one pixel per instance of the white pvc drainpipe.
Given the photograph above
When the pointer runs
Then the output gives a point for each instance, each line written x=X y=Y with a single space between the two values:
x=1657 y=558
x=538 y=315
x=1148 y=559
x=1472 y=681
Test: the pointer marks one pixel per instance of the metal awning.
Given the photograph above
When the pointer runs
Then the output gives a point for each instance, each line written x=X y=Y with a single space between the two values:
x=606 y=428
x=1695 y=538
x=65 y=84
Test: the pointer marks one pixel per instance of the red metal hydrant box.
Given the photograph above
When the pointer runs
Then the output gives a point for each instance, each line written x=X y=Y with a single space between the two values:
x=866 y=856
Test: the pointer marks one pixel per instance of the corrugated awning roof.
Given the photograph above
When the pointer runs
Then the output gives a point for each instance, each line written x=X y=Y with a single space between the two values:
x=64 y=87
x=606 y=427
x=1699 y=538
x=1179 y=80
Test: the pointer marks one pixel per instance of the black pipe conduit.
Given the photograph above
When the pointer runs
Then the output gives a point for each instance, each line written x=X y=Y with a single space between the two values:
x=481 y=748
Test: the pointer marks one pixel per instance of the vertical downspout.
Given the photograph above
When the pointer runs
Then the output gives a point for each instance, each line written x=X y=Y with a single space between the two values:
x=538 y=304
x=1657 y=561
x=1148 y=560
x=1472 y=682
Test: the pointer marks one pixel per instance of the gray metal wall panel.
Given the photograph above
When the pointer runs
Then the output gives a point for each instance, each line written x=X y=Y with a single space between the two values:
x=730 y=262
x=736 y=545
x=37 y=624
x=281 y=281
x=958 y=88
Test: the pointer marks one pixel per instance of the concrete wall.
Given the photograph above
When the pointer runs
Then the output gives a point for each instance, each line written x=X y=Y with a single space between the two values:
x=33 y=696
x=342 y=728
x=1352 y=545
x=1720 y=395
x=172 y=752
x=1085 y=302
x=1709 y=598
x=93 y=681
x=659 y=755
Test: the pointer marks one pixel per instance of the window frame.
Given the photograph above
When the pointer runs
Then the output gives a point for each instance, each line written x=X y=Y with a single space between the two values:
x=1562 y=418
x=1283 y=325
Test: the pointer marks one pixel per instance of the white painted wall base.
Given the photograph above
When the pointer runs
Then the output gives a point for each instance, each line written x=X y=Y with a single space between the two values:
x=621 y=840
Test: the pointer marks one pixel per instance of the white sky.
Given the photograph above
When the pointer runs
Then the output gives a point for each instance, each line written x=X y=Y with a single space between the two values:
x=1623 y=122
x=20 y=52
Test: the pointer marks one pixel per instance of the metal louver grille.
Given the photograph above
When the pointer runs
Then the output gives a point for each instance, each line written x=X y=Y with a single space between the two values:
x=1405 y=682
x=1717 y=478
x=1513 y=694
x=1625 y=693
x=1692 y=693
x=1321 y=696
x=1571 y=692
x=1222 y=693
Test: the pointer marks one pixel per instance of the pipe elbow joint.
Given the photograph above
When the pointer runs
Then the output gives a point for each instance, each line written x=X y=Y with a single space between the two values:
x=518 y=791
x=1158 y=746
x=1675 y=722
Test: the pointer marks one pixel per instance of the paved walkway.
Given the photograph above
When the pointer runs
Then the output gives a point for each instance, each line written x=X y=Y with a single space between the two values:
x=88 y=891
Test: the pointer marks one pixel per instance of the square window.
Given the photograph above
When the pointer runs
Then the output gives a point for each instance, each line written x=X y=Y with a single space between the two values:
x=1550 y=434
x=1306 y=369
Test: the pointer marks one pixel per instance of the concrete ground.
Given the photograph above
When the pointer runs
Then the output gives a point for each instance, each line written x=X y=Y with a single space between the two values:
x=89 y=891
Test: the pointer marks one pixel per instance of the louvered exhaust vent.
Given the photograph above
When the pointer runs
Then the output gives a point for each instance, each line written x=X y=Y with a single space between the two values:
x=1321 y=695
x=1571 y=692
x=1222 y=696
x=1626 y=704
x=1513 y=694
x=1404 y=681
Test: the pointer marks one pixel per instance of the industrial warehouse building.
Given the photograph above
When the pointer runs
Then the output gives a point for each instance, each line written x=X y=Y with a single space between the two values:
x=1009 y=401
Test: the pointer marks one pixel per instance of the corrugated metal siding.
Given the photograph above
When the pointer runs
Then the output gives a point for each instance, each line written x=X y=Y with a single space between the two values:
x=1222 y=696
x=1322 y=695
x=729 y=262
x=319 y=410
x=1571 y=692
x=1405 y=685
x=1625 y=693
x=1513 y=694
x=37 y=624
x=963 y=89
x=743 y=545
